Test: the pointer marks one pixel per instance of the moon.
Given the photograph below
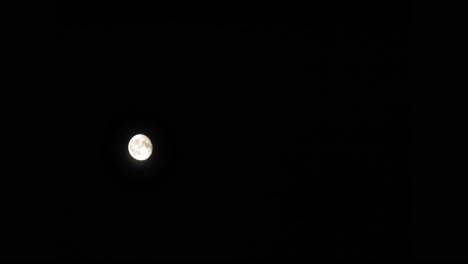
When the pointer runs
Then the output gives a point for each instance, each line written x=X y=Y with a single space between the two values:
x=140 y=147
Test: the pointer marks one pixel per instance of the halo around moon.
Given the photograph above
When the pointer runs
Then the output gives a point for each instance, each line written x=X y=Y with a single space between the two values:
x=140 y=147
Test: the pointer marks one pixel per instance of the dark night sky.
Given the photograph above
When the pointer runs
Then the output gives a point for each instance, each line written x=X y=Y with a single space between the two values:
x=276 y=137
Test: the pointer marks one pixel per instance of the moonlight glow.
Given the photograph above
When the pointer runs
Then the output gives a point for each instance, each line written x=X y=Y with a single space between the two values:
x=140 y=147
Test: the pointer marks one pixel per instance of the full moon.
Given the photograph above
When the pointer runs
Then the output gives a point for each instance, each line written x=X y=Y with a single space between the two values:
x=140 y=147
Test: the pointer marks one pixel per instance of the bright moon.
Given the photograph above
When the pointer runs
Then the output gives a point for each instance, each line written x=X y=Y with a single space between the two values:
x=140 y=147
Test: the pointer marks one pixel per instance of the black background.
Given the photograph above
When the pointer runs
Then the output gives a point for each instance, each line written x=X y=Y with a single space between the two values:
x=277 y=135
